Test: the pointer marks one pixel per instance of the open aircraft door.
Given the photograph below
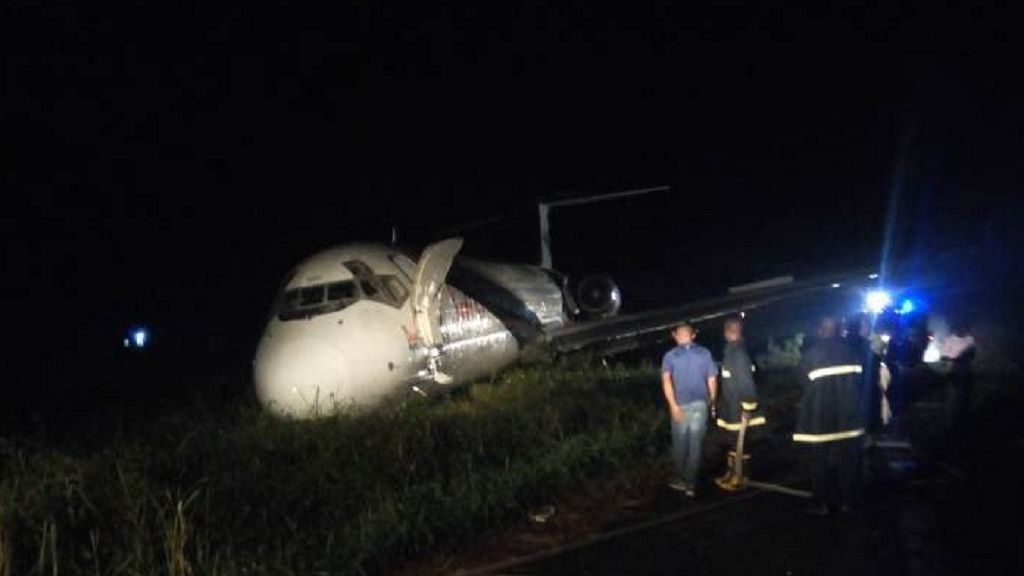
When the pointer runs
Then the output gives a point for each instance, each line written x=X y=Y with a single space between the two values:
x=431 y=271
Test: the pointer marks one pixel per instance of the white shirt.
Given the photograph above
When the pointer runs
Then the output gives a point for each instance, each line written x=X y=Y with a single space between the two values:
x=953 y=346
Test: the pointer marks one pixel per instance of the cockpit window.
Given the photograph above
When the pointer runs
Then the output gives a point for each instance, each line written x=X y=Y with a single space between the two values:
x=341 y=291
x=386 y=289
x=314 y=300
x=368 y=288
x=309 y=301
x=395 y=289
x=311 y=296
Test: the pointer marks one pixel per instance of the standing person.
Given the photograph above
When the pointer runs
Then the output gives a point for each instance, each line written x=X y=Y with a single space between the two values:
x=689 y=382
x=737 y=409
x=858 y=337
x=830 y=422
x=958 y=350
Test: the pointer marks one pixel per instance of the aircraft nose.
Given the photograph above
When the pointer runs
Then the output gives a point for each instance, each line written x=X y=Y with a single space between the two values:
x=299 y=377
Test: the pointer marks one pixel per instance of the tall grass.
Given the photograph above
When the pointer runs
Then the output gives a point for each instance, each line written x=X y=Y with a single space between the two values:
x=242 y=492
x=5 y=542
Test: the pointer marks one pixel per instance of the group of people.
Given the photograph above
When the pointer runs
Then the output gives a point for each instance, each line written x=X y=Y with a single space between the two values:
x=831 y=421
x=690 y=383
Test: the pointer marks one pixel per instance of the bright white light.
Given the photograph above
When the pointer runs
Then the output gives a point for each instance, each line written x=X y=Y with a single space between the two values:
x=885 y=337
x=835 y=284
x=743 y=314
x=877 y=300
x=140 y=336
x=932 y=353
x=873 y=275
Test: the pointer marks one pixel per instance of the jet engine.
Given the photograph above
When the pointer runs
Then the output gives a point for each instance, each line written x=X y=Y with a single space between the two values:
x=598 y=296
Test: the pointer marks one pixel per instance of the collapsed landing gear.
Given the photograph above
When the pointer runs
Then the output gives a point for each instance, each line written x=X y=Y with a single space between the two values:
x=432 y=372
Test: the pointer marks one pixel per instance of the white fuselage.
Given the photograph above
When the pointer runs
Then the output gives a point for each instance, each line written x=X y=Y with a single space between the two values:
x=342 y=332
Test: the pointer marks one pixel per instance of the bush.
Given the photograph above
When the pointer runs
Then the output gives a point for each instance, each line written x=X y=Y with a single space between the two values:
x=782 y=355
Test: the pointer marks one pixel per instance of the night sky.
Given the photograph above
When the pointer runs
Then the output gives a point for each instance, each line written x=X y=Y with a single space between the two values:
x=169 y=164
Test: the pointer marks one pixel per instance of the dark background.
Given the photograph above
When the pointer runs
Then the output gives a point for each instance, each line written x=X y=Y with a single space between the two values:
x=168 y=164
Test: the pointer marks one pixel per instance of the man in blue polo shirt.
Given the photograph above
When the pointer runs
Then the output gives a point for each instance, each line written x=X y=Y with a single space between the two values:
x=689 y=381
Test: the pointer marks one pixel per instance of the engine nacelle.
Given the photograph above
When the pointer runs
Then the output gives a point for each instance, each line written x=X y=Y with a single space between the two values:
x=598 y=296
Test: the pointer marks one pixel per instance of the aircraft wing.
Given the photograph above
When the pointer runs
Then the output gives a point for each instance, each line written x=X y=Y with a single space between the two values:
x=627 y=332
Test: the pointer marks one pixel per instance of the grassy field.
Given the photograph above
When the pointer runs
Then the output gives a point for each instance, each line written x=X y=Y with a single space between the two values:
x=231 y=490
x=239 y=492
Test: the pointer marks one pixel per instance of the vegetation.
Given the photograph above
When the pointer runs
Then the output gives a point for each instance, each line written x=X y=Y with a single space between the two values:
x=781 y=354
x=240 y=492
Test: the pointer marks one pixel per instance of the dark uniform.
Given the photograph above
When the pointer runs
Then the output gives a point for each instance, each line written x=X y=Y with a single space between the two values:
x=737 y=393
x=960 y=377
x=831 y=422
x=871 y=394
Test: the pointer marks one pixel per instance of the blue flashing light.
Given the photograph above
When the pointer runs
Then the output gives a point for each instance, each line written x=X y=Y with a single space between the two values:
x=137 y=337
x=906 y=307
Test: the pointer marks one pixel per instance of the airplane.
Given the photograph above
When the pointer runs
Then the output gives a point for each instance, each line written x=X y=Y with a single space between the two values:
x=358 y=324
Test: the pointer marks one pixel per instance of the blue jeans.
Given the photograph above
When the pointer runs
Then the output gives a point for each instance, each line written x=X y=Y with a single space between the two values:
x=687 y=436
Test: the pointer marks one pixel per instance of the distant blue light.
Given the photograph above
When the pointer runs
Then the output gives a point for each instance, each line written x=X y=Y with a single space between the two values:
x=906 y=307
x=137 y=337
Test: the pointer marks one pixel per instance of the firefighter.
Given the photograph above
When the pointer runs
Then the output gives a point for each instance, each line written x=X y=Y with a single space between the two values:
x=830 y=424
x=737 y=409
x=858 y=337
x=958 y=351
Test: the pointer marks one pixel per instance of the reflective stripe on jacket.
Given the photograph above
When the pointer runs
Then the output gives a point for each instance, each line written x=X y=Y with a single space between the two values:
x=831 y=373
x=737 y=391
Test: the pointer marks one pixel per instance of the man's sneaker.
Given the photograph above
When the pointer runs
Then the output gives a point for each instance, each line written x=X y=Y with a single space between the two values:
x=680 y=486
